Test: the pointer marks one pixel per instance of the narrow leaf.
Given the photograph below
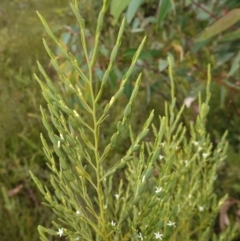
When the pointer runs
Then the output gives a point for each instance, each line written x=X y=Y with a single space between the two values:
x=164 y=6
x=231 y=36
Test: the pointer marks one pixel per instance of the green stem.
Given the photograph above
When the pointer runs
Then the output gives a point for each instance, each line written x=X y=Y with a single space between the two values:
x=97 y=158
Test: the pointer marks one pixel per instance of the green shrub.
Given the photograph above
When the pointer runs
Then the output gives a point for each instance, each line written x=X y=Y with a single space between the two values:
x=160 y=188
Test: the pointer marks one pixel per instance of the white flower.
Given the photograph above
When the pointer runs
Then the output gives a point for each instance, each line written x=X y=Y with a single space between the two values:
x=60 y=232
x=163 y=143
x=186 y=162
x=170 y=223
x=205 y=155
x=113 y=223
x=117 y=196
x=158 y=235
x=58 y=144
x=61 y=136
x=188 y=101
x=140 y=236
x=195 y=143
x=78 y=212
x=161 y=157
x=143 y=179
x=200 y=208
x=158 y=189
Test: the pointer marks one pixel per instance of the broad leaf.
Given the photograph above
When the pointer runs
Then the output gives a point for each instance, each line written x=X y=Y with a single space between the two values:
x=220 y=25
x=117 y=7
x=132 y=9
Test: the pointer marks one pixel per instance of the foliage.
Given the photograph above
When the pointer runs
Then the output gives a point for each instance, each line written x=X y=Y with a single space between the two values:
x=172 y=29
x=20 y=120
x=20 y=46
x=165 y=178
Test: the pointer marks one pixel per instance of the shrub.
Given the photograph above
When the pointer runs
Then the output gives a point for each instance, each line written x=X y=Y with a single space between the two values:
x=162 y=187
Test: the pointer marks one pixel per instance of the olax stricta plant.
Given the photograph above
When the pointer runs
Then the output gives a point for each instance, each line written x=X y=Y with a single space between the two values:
x=161 y=188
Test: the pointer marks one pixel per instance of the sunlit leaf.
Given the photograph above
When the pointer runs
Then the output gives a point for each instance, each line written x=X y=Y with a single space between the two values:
x=117 y=7
x=220 y=25
x=132 y=9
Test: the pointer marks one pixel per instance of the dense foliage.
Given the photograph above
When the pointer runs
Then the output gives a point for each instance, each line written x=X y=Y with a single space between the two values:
x=172 y=36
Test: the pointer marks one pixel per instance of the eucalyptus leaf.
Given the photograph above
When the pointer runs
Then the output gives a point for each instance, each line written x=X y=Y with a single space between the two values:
x=221 y=24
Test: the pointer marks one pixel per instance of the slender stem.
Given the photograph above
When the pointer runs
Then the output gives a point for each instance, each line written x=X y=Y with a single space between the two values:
x=97 y=157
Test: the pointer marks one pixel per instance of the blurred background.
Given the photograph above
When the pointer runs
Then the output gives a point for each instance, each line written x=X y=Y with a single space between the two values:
x=171 y=32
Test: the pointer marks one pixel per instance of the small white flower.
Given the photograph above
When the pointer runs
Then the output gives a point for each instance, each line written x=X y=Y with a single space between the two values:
x=186 y=162
x=200 y=208
x=61 y=136
x=188 y=101
x=205 y=155
x=60 y=232
x=161 y=157
x=140 y=236
x=170 y=223
x=78 y=212
x=158 y=189
x=117 y=196
x=143 y=179
x=195 y=143
x=113 y=223
x=58 y=144
x=158 y=235
x=163 y=143
x=199 y=148
x=190 y=195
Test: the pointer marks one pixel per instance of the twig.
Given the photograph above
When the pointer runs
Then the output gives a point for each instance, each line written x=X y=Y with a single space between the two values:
x=209 y=13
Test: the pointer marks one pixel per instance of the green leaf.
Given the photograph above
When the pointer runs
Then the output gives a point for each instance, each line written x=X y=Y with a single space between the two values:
x=145 y=54
x=220 y=25
x=165 y=5
x=162 y=64
x=132 y=9
x=235 y=65
x=231 y=36
x=117 y=7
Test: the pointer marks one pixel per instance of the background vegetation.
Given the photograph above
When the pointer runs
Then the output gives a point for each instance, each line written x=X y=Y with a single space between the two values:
x=21 y=45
